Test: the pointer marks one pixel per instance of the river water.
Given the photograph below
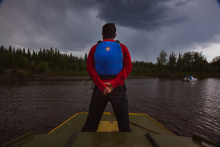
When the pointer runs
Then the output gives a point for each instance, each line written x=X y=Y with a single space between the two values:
x=41 y=105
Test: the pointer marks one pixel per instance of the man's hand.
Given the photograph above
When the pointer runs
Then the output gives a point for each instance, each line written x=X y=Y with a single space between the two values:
x=107 y=91
x=109 y=85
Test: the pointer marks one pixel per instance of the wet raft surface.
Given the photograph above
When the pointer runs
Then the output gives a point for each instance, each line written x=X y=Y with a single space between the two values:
x=108 y=139
x=139 y=123
x=107 y=134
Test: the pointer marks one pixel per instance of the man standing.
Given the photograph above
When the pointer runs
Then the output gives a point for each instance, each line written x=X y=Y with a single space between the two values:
x=108 y=64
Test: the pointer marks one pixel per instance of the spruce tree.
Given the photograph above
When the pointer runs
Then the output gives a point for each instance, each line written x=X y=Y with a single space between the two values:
x=44 y=55
x=2 y=49
x=85 y=60
x=29 y=54
x=10 y=49
x=23 y=53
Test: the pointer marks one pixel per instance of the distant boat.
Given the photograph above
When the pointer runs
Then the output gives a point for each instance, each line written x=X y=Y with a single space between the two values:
x=190 y=79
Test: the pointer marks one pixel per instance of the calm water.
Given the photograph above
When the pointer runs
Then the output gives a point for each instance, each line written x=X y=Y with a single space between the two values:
x=39 y=106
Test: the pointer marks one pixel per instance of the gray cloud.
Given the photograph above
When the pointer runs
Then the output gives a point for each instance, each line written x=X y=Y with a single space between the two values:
x=145 y=26
x=149 y=15
x=200 y=27
x=36 y=24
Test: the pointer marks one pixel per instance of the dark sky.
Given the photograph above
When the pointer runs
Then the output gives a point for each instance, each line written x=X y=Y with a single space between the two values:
x=146 y=27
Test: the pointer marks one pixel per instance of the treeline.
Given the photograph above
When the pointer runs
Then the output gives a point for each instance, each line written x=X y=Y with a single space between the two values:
x=189 y=62
x=42 y=61
x=52 y=61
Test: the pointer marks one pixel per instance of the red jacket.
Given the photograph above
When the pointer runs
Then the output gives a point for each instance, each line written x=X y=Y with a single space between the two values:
x=119 y=80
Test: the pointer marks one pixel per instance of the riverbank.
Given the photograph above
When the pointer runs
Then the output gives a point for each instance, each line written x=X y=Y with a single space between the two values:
x=45 y=76
x=60 y=77
x=21 y=74
x=74 y=77
x=77 y=77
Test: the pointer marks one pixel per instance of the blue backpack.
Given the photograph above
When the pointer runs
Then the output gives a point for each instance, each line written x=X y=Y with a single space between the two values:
x=108 y=58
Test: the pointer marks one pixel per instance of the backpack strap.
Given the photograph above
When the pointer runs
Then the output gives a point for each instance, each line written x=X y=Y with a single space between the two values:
x=117 y=41
x=92 y=85
x=99 y=41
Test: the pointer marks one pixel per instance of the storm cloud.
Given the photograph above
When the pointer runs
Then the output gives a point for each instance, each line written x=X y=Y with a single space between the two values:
x=145 y=26
x=149 y=15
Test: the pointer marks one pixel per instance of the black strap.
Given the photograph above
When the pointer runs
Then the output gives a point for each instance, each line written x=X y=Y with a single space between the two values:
x=71 y=139
x=92 y=85
x=117 y=41
x=152 y=140
x=101 y=41
x=107 y=77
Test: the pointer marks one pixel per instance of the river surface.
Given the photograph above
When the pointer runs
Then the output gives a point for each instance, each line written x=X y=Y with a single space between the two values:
x=41 y=105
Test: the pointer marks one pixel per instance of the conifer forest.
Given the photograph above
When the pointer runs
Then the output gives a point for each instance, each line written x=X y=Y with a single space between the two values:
x=51 y=61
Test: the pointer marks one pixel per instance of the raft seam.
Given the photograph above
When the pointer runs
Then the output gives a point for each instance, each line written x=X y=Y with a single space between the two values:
x=63 y=123
x=160 y=125
x=136 y=114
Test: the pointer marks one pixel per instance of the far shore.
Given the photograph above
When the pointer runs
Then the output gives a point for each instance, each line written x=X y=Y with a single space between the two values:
x=45 y=77
x=23 y=75
x=63 y=77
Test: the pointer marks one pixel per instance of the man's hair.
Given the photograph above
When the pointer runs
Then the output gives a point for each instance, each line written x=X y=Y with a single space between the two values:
x=109 y=30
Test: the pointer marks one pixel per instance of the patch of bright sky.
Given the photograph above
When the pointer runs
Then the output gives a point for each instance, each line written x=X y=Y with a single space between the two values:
x=209 y=52
x=19 y=47
x=77 y=54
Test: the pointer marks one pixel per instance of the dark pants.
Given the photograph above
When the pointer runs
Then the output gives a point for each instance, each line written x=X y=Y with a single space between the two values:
x=119 y=101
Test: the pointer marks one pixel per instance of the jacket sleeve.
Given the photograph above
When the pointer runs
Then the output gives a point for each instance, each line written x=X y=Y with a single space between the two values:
x=92 y=72
x=127 y=67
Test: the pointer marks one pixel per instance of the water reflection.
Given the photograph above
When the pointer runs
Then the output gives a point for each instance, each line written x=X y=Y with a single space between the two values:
x=180 y=106
x=211 y=103
x=184 y=108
